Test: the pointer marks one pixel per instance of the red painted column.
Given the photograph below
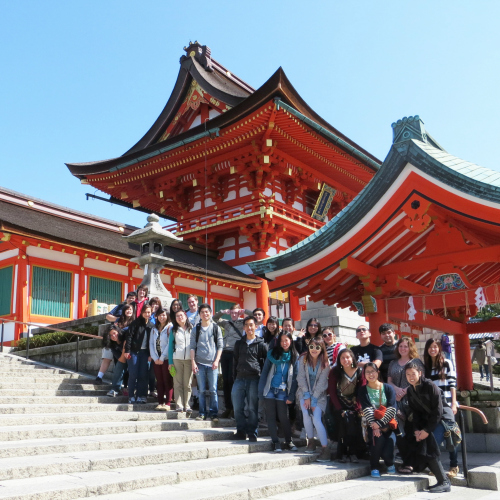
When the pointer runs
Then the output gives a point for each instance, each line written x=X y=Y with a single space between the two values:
x=262 y=294
x=294 y=306
x=463 y=362
x=22 y=293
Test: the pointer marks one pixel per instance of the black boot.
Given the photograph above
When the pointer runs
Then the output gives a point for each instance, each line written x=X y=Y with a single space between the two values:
x=443 y=483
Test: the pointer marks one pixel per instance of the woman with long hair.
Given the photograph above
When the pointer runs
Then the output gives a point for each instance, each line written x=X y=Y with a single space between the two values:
x=137 y=355
x=158 y=351
x=313 y=329
x=425 y=404
x=405 y=351
x=126 y=317
x=312 y=380
x=344 y=382
x=440 y=371
x=277 y=387
x=176 y=305
x=179 y=358
x=378 y=403
x=272 y=331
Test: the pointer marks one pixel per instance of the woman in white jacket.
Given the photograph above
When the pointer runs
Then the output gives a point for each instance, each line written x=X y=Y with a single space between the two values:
x=179 y=357
x=158 y=350
x=312 y=382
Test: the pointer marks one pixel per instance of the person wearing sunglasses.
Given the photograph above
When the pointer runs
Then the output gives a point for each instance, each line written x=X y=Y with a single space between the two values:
x=312 y=380
x=313 y=329
x=332 y=346
x=366 y=352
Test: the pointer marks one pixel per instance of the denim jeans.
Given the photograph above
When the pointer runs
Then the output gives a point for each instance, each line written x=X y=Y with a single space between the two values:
x=138 y=374
x=246 y=389
x=207 y=375
x=439 y=435
x=486 y=371
x=118 y=372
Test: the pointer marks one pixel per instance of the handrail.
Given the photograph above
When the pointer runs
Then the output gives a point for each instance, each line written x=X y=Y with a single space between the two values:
x=28 y=323
x=461 y=424
x=45 y=327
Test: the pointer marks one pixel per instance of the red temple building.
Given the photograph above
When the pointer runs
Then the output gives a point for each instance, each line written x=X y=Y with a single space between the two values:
x=419 y=246
x=247 y=172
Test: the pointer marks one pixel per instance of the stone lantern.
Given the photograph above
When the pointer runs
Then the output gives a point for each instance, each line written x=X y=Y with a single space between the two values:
x=152 y=239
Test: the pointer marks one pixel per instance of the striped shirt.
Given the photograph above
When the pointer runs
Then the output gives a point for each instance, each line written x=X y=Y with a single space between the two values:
x=449 y=383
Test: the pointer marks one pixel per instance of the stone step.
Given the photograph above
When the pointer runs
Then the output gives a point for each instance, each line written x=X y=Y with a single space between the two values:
x=108 y=441
x=106 y=482
x=11 y=409
x=49 y=383
x=84 y=461
x=249 y=484
x=101 y=427
x=47 y=377
x=31 y=371
x=35 y=400
x=82 y=414
x=365 y=488
x=40 y=391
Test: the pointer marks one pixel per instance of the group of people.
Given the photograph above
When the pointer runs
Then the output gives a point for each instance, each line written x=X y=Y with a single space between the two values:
x=374 y=398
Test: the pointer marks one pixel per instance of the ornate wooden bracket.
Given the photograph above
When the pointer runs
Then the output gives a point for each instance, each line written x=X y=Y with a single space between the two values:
x=417 y=220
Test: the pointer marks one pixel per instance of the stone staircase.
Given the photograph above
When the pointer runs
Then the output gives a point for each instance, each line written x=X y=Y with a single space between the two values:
x=62 y=438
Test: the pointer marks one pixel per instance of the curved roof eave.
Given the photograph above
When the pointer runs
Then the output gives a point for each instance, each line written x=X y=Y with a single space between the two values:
x=449 y=170
x=277 y=85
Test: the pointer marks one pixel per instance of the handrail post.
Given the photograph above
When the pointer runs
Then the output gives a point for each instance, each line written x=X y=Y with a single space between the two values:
x=77 y=352
x=1 y=341
x=464 y=445
x=28 y=345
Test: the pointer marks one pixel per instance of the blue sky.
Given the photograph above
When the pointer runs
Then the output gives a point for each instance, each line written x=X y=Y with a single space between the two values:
x=84 y=80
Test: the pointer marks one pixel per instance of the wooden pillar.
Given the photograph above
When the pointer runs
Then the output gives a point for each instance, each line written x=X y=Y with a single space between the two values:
x=262 y=296
x=376 y=319
x=463 y=362
x=22 y=294
x=294 y=306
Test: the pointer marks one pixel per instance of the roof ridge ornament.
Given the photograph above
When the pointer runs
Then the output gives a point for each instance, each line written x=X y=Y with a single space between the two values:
x=411 y=127
x=201 y=53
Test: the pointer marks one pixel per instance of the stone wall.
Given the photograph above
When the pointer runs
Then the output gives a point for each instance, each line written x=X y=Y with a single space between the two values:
x=64 y=356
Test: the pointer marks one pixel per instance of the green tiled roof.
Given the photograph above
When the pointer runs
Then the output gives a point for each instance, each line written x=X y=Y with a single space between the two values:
x=423 y=152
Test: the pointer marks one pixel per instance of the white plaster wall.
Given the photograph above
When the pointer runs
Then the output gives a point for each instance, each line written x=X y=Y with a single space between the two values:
x=9 y=253
x=228 y=242
x=45 y=253
x=138 y=273
x=242 y=239
x=244 y=191
x=298 y=205
x=209 y=202
x=230 y=196
x=165 y=278
x=267 y=192
x=225 y=290
x=249 y=300
x=107 y=267
x=196 y=122
x=75 y=295
x=197 y=205
x=283 y=242
x=271 y=252
x=198 y=285
x=8 y=333
x=14 y=293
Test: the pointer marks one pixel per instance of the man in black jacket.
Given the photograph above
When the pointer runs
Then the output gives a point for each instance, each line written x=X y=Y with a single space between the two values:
x=249 y=355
